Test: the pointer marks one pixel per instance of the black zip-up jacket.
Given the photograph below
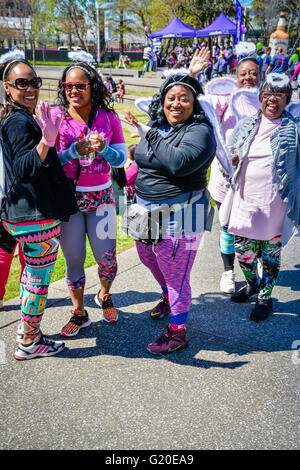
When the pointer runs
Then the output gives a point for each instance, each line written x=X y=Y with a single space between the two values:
x=174 y=164
x=38 y=190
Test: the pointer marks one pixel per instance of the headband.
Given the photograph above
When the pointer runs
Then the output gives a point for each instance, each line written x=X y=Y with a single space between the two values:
x=181 y=83
x=80 y=67
x=181 y=79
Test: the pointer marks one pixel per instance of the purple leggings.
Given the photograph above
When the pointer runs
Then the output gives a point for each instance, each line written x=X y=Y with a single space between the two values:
x=173 y=273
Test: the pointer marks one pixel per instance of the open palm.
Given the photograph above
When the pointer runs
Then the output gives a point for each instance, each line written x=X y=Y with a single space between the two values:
x=199 y=61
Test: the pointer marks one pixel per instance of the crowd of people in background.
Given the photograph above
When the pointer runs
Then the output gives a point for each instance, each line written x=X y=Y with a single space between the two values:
x=224 y=60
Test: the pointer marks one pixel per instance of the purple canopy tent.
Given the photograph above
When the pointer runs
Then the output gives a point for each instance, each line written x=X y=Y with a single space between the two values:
x=220 y=27
x=175 y=29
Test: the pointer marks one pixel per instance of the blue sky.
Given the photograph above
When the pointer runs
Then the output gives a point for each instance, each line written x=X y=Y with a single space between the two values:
x=245 y=3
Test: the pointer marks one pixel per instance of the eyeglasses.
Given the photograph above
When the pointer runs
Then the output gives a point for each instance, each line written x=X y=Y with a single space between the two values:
x=80 y=86
x=279 y=95
x=23 y=83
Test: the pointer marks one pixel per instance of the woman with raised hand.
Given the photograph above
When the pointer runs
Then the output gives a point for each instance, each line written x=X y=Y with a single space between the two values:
x=37 y=197
x=91 y=130
x=173 y=156
x=265 y=212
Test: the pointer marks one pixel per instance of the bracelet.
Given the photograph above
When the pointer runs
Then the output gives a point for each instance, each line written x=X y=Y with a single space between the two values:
x=74 y=150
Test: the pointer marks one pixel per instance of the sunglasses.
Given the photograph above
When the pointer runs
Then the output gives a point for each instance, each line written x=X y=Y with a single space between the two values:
x=279 y=95
x=23 y=83
x=80 y=86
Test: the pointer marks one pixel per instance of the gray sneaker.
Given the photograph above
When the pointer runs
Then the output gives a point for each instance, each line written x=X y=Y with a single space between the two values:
x=42 y=346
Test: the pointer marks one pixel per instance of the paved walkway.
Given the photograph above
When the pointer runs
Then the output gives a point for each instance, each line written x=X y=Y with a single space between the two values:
x=235 y=387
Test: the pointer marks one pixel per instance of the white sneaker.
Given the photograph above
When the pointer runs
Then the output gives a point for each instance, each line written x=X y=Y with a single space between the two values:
x=1 y=304
x=41 y=347
x=227 y=282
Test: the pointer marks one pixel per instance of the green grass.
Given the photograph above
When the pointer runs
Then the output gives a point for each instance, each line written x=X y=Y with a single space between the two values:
x=136 y=65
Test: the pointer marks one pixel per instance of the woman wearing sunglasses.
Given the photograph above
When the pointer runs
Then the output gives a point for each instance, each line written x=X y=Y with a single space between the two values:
x=37 y=197
x=265 y=212
x=90 y=129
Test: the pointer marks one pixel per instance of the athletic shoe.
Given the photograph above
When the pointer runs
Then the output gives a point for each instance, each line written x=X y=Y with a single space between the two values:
x=169 y=342
x=20 y=335
x=42 y=346
x=262 y=309
x=76 y=323
x=161 y=310
x=244 y=294
x=109 y=312
x=1 y=304
x=227 y=282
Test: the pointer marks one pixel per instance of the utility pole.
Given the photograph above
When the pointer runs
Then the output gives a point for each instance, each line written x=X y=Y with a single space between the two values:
x=97 y=6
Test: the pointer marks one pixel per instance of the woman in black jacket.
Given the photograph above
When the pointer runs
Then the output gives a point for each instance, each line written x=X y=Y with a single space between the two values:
x=38 y=196
x=173 y=157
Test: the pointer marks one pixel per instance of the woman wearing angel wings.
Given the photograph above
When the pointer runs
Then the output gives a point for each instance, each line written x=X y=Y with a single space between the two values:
x=232 y=99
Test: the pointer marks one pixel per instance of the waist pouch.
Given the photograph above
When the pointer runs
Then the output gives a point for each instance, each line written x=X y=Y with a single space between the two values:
x=146 y=226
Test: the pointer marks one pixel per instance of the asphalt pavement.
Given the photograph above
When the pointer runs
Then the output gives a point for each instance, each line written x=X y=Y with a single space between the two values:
x=235 y=387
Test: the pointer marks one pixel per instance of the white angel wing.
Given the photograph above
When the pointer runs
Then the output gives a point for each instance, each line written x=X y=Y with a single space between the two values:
x=294 y=109
x=13 y=54
x=143 y=104
x=80 y=56
x=222 y=152
x=245 y=102
x=168 y=72
x=221 y=86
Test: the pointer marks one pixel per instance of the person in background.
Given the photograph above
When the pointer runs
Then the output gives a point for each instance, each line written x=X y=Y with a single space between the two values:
x=279 y=62
x=5 y=265
x=131 y=173
x=293 y=62
x=266 y=62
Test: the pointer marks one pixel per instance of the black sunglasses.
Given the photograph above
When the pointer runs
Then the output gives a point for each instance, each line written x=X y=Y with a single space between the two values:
x=23 y=83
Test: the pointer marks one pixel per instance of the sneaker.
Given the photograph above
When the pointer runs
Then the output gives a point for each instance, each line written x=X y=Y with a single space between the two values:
x=169 y=342
x=262 y=309
x=161 y=310
x=76 y=323
x=227 y=282
x=42 y=346
x=109 y=312
x=244 y=294
x=1 y=304
x=20 y=335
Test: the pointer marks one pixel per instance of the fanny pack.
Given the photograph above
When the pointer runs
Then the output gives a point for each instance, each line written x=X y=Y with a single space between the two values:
x=146 y=226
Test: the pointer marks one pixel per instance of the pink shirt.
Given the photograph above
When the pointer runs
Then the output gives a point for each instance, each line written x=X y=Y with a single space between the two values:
x=96 y=175
x=258 y=211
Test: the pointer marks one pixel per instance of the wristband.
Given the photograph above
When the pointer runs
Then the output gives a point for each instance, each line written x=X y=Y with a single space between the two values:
x=74 y=150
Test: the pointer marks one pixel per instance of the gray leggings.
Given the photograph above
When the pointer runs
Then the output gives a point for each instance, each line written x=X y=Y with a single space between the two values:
x=101 y=227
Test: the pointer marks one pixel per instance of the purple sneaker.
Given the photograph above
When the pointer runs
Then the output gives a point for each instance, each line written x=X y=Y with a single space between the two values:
x=169 y=342
x=161 y=310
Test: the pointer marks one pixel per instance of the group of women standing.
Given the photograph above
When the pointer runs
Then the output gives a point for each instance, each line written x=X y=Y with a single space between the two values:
x=58 y=190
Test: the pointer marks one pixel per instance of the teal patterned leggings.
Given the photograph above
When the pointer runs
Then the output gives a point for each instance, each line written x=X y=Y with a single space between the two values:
x=248 y=251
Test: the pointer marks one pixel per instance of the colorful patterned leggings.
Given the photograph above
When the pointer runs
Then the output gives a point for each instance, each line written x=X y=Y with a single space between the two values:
x=39 y=242
x=101 y=227
x=173 y=273
x=248 y=251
